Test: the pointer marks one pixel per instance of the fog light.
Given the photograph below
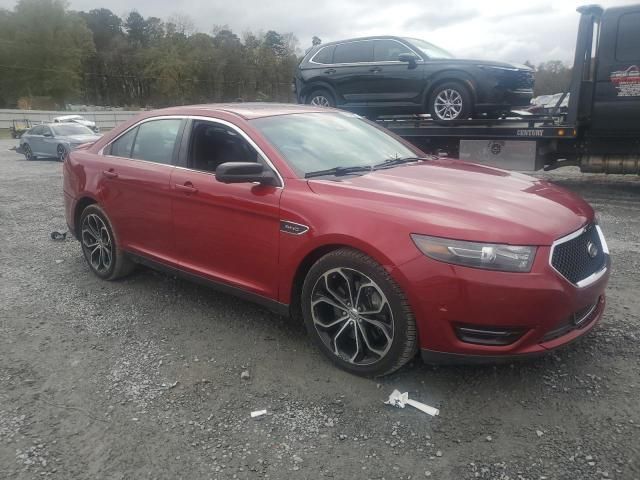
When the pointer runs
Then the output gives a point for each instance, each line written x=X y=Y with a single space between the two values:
x=480 y=335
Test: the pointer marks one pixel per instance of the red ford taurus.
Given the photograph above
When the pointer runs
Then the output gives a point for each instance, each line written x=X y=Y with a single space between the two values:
x=317 y=213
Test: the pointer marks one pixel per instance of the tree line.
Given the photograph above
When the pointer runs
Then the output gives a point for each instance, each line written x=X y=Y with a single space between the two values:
x=49 y=53
x=98 y=58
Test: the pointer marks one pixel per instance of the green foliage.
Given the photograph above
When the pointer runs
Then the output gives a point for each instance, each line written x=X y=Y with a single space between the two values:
x=42 y=51
x=552 y=77
x=99 y=58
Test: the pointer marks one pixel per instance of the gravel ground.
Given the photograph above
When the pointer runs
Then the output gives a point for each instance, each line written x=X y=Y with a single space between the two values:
x=141 y=378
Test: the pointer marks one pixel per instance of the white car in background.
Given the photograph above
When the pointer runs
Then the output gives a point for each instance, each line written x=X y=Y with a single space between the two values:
x=77 y=119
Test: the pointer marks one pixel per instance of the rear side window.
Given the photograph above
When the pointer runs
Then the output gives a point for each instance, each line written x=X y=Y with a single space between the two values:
x=156 y=140
x=324 y=55
x=354 y=52
x=388 y=50
x=36 y=131
x=628 y=43
x=122 y=146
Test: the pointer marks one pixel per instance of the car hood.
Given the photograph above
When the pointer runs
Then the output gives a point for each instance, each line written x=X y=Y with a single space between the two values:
x=465 y=201
x=487 y=63
x=78 y=139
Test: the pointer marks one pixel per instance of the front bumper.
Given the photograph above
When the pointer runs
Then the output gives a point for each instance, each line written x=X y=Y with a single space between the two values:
x=445 y=296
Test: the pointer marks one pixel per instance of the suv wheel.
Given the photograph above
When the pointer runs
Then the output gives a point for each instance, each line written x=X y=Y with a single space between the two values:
x=321 y=98
x=450 y=101
x=99 y=245
x=357 y=314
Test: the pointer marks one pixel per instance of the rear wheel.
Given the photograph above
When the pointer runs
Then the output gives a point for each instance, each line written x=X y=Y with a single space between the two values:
x=357 y=314
x=321 y=98
x=28 y=153
x=449 y=102
x=100 y=247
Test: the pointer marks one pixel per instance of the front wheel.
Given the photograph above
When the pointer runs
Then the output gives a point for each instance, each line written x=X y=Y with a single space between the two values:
x=357 y=314
x=61 y=153
x=449 y=102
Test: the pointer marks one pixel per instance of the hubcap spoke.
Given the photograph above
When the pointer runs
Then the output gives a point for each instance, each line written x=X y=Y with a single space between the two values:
x=340 y=299
x=96 y=242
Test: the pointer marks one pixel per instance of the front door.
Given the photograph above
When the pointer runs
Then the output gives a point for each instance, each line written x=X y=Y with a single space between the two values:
x=136 y=190
x=225 y=232
x=392 y=81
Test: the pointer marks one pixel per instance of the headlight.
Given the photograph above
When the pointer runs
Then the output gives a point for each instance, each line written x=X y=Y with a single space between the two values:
x=495 y=67
x=491 y=256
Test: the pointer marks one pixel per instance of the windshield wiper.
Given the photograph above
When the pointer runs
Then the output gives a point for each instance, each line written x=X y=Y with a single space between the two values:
x=338 y=171
x=391 y=162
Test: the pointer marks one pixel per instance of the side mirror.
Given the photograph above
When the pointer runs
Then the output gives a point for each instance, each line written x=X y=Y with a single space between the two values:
x=244 y=172
x=409 y=58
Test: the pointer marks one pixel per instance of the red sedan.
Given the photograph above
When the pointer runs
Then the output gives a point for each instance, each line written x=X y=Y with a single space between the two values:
x=317 y=213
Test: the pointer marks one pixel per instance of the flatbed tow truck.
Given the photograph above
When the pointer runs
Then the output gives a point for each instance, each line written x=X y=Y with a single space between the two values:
x=600 y=130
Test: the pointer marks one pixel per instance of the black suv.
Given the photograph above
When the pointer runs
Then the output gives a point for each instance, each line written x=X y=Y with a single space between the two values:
x=396 y=75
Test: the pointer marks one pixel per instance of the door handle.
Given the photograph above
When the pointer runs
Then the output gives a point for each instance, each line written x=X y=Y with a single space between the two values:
x=375 y=70
x=110 y=173
x=330 y=70
x=187 y=188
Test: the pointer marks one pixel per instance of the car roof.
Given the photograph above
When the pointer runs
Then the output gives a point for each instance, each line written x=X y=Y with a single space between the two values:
x=248 y=111
x=356 y=39
x=62 y=117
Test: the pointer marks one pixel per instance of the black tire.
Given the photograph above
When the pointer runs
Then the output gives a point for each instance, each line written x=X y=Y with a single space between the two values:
x=119 y=264
x=443 y=113
x=321 y=97
x=61 y=152
x=373 y=283
x=28 y=153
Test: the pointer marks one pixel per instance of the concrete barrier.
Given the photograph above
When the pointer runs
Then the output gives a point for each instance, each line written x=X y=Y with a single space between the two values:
x=104 y=119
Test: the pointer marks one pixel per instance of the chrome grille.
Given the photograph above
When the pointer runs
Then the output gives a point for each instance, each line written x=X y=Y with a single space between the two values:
x=574 y=257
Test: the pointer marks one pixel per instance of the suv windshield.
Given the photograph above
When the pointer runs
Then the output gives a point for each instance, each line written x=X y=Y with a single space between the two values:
x=67 y=130
x=429 y=49
x=313 y=142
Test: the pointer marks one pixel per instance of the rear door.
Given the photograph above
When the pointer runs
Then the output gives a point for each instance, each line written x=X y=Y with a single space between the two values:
x=136 y=189
x=394 y=81
x=352 y=71
x=617 y=95
x=35 y=139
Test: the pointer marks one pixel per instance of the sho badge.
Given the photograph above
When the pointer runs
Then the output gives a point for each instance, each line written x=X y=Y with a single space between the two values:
x=293 y=228
x=592 y=250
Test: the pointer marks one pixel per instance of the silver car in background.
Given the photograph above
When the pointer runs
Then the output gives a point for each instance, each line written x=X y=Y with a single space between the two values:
x=55 y=140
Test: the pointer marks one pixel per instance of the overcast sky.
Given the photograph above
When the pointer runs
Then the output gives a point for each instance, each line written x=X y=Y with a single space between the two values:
x=509 y=30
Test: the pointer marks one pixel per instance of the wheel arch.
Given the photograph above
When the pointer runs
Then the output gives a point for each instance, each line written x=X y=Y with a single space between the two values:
x=320 y=250
x=317 y=85
x=446 y=76
x=82 y=203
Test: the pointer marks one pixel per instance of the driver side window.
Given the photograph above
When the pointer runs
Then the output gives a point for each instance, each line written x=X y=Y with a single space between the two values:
x=213 y=144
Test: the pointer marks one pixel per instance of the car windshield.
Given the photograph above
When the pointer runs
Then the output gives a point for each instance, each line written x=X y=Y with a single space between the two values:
x=311 y=142
x=429 y=49
x=67 y=130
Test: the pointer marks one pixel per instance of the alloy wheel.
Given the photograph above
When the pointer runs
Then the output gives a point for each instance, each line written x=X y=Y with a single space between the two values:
x=97 y=243
x=320 y=101
x=448 y=104
x=352 y=316
x=62 y=153
x=28 y=154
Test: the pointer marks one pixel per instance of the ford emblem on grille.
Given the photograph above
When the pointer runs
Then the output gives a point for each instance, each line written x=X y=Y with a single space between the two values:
x=592 y=250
